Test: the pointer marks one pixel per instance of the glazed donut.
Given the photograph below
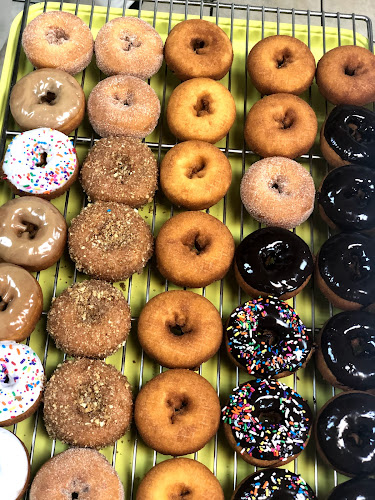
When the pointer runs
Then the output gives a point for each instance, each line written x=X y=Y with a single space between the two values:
x=273 y=484
x=281 y=125
x=273 y=261
x=110 y=241
x=278 y=192
x=48 y=98
x=281 y=63
x=21 y=382
x=128 y=46
x=345 y=270
x=267 y=338
x=40 y=162
x=354 y=489
x=180 y=329
x=195 y=175
x=345 y=433
x=120 y=169
x=14 y=466
x=280 y=423
x=194 y=249
x=197 y=48
x=21 y=303
x=179 y=477
x=87 y=403
x=90 y=319
x=177 y=412
x=75 y=473
x=347 y=136
x=345 y=353
x=123 y=106
x=345 y=75
x=201 y=109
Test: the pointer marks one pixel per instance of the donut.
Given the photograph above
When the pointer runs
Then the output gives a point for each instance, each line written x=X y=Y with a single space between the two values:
x=273 y=484
x=179 y=477
x=345 y=75
x=32 y=233
x=48 y=98
x=194 y=249
x=355 y=489
x=346 y=198
x=201 y=109
x=281 y=63
x=90 y=319
x=177 y=412
x=197 y=48
x=123 y=105
x=281 y=125
x=120 y=169
x=278 y=192
x=273 y=261
x=76 y=473
x=195 y=175
x=87 y=403
x=21 y=382
x=14 y=466
x=345 y=270
x=58 y=39
x=267 y=423
x=267 y=338
x=345 y=433
x=110 y=241
x=128 y=46
x=347 y=136
x=345 y=354
x=180 y=329
x=40 y=162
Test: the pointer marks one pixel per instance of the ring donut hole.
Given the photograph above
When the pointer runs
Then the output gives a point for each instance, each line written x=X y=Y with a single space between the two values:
x=197 y=44
x=90 y=400
x=202 y=107
x=283 y=59
x=351 y=70
x=361 y=347
x=56 y=35
x=271 y=417
x=27 y=230
x=357 y=134
x=49 y=98
x=285 y=120
x=178 y=405
x=178 y=328
x=276 y=257
x=279 y=184
x=130 y=42
x=196 y=242
x=6 y=298
x=356 y=265
x=197 y=170
x=122 y=168
x=127 y=100
x=269 y=332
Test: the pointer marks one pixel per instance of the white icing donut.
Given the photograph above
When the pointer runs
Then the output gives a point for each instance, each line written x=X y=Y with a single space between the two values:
x=14 y=466
x=23 y=162
x=21 y=380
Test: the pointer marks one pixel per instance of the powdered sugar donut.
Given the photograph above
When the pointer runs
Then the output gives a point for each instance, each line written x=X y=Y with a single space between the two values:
x=21 y=382
x=14 y=466
x=40 y=162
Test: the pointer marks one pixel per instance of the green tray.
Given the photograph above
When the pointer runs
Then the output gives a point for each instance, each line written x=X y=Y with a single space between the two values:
x=130 y=456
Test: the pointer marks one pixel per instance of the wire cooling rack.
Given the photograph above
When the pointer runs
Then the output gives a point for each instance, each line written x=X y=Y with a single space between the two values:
x=244 y=25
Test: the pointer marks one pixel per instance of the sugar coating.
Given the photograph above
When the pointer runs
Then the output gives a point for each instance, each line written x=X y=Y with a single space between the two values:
x=14 y=465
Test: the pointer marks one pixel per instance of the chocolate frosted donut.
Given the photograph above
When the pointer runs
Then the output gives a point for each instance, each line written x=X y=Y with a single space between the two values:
x=347 y=198
x=345 y=270
x=356 y=489
x=273 y=261
x=345 y=433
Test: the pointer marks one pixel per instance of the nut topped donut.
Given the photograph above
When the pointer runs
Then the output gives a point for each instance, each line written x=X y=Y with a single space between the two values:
x=197 y=48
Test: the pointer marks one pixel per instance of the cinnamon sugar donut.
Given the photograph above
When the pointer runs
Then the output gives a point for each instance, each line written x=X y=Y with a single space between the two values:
x=87 y=403
x=123 y=105
x=129 y=46
x=58 y=39
x=281 y=125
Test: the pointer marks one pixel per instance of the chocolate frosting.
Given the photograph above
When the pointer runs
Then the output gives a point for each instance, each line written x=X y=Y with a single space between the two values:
x=350 y=132
x=355 y=489
x=346 y=433
x=274 y=260
x=347 y=265
x=348 y=348
x=347 y=196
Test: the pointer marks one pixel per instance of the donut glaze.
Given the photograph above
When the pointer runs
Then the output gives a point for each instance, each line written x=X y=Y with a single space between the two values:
x=345 y=433
x=14 y=466
x=273 y=261
x=355 y=489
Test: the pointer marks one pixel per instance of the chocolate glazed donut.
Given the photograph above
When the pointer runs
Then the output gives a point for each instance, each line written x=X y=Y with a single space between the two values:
x=355 y=489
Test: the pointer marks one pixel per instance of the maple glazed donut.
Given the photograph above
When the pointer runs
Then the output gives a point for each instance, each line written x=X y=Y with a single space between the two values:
x=123 y=106
x=58 y=39
x=129 y=46
x=194 y=249
x=345 y=75
x=201 y=109
x=87 y=403
x=287 y=119
x=177 y=412
x=197 y=48
x=13 y=479
x=281 y=63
